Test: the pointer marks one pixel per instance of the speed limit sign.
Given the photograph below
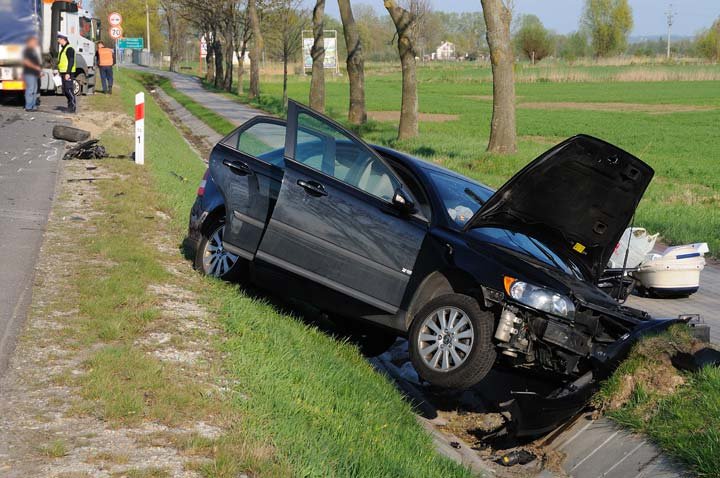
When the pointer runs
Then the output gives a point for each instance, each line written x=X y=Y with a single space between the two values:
x=115 y=32
x=114 y=19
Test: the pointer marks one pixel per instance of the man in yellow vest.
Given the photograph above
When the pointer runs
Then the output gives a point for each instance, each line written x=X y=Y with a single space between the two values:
x=105 y=58
x=66 y=69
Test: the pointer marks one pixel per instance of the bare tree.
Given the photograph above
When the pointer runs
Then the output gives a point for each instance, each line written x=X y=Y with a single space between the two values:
x=503 y=135
x=176 y=30
x=285 y=38
x=317 y=81
x=243 y=35
x=355 y=64
x=256 y=50
x=404 y=21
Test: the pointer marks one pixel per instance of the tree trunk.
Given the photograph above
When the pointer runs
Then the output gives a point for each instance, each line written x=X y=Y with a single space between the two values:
x=229 y=49
x=503 y=136
x=355 y=64
x=317 y=82
x=285 y=71
x=210 y=61
x=241 y=67
x=255 y=51
x=403 y=21
x=217 y=48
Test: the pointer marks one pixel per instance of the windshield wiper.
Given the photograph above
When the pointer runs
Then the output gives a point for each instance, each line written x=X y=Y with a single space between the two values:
x=469 y=192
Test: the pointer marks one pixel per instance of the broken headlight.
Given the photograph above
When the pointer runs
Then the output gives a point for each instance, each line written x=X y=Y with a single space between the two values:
x=539 y=298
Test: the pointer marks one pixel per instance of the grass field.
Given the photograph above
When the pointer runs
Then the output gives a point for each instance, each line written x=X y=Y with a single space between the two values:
x=672 y=125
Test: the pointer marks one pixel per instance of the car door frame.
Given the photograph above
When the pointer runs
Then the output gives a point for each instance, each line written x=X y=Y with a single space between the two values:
x=383 y=207
x=257 y=165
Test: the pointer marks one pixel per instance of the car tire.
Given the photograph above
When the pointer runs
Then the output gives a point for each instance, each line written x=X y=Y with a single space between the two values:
x=465 y=348
x=68 y=133
x=210 y=251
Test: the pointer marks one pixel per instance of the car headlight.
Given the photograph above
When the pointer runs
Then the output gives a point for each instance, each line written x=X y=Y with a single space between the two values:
x=539 y=298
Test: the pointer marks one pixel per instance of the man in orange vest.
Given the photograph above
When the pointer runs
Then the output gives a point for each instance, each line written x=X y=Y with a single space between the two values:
x=105 y=58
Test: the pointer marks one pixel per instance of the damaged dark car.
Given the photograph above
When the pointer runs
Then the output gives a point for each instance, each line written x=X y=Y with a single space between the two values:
x=471 y=276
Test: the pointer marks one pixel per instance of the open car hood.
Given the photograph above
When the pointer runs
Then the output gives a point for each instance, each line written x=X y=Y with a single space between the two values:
x=578 y=198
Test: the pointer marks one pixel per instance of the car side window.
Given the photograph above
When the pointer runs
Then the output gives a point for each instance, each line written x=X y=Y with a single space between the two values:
x=341 y=156
x=262 y=140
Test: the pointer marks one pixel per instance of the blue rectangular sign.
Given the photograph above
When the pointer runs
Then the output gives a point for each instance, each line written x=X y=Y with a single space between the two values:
x=131 y=43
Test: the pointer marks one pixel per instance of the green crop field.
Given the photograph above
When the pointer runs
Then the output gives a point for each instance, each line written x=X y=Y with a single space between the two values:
x=674 y=125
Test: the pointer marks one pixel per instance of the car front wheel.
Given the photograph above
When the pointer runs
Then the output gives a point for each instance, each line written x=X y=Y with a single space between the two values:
x=212 y=258
x=451 y=341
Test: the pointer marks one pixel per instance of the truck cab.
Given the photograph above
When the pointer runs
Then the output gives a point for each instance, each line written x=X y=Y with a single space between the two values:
x=45 y=19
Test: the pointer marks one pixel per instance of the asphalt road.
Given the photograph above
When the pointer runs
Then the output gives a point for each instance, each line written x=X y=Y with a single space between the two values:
x=29 y=162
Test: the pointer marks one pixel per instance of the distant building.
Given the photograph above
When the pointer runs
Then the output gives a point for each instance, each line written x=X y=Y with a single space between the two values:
x=446 y=51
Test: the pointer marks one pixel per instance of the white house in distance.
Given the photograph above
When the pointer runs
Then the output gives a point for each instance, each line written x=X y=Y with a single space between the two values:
x=446 y=51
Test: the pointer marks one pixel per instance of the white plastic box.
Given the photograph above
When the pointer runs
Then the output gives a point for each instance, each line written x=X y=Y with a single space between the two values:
x=675 y=272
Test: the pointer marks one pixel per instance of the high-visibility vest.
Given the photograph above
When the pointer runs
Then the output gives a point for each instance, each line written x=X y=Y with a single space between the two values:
x=106 y=56
x=63 y=61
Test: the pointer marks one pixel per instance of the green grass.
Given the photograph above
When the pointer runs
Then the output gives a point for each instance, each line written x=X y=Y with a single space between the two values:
x=304 y=404
x=686 y=422
x=681 y=203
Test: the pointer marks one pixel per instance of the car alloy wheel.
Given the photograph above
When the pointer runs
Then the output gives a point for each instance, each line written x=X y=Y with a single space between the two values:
x=216 y=260
x=445 y=339
x=450 y=341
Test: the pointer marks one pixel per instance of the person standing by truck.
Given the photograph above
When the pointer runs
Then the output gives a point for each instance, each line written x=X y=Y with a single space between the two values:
x=66 y=69
x=105 y=59
x=31 y=73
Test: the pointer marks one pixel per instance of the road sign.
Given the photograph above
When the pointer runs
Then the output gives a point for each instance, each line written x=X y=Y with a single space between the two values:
x=114 y=19
x=131 y=43
x=115 y=32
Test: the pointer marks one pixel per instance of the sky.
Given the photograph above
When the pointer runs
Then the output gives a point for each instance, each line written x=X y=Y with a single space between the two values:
x=563 y=15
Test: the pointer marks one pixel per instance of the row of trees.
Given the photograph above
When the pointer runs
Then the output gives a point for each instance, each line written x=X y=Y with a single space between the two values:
x=604 y=31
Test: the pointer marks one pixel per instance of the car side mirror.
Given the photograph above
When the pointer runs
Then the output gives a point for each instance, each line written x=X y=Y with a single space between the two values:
x=402 y=201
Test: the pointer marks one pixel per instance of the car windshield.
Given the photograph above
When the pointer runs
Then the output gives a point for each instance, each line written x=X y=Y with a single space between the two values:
x=461 y=197
x=528 y=246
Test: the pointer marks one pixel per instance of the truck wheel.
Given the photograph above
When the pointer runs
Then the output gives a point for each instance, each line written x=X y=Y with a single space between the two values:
x=450 y=341
x=78 y=83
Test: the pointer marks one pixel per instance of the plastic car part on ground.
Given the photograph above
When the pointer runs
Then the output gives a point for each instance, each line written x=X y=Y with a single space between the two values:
x=675 y=272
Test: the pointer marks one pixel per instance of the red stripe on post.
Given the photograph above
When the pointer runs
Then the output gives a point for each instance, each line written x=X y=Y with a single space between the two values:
x=140 y=111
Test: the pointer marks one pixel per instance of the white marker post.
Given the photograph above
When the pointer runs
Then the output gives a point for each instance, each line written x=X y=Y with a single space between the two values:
x=140 y=128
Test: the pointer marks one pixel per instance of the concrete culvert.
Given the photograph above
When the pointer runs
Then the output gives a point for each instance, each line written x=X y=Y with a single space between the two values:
x=68 y=133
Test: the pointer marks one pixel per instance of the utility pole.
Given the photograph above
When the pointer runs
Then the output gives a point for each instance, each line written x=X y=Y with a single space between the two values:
x=670 y=15
x=147 y=24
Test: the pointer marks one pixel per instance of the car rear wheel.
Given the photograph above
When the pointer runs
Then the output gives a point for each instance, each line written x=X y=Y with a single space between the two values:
x=212 y=258
x=451 y=341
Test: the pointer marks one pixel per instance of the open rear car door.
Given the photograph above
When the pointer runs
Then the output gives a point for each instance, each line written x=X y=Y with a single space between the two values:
x=246 y=165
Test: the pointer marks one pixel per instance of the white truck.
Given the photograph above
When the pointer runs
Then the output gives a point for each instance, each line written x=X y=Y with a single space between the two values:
x=21 y=18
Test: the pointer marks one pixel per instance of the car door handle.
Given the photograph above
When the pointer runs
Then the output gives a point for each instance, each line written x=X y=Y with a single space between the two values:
x=238 y=167
x=312 y=187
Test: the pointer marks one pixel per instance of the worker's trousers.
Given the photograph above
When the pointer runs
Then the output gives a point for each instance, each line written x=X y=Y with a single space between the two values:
x=67 y=87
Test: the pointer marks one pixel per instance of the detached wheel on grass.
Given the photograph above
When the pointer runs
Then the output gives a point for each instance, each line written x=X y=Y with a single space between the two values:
x=212 y=258
x=450 y=341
